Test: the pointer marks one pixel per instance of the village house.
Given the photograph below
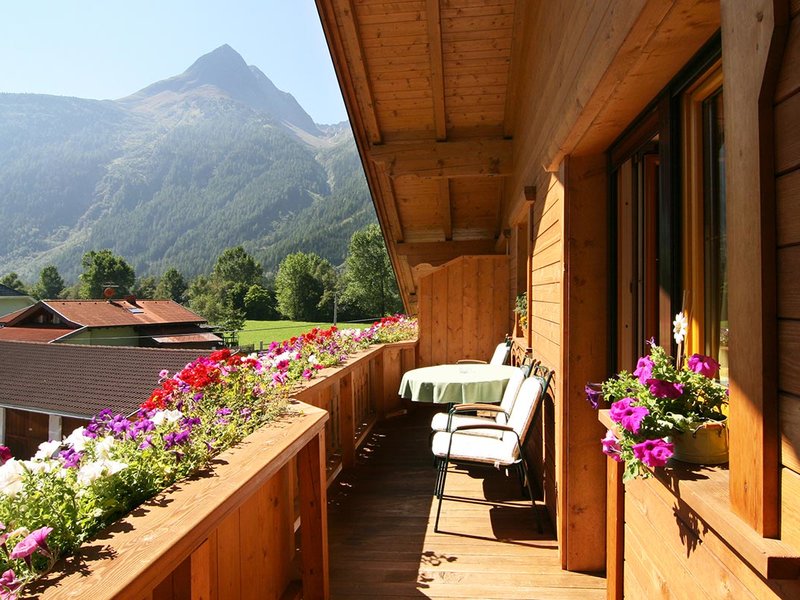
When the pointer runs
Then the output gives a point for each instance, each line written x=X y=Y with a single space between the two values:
x=124 y=322
x=12 y=300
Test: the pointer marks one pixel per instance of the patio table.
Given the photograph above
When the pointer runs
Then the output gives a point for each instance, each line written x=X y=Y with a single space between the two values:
x=456 y=384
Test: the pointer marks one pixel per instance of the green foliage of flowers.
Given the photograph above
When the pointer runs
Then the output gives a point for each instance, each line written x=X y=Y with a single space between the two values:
x=73 y=488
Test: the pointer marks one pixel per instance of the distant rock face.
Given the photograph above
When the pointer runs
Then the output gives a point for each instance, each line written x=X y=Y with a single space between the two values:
x=175 y=173
x=224 y=72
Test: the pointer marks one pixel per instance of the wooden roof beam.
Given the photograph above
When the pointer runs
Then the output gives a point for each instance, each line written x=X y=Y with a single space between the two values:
x=438 y=253
x=462 y=158
x=437 y=68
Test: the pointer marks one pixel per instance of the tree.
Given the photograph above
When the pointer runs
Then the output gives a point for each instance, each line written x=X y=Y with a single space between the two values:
x=145 y=287
x=102 y=269
x=235 y=265
x=300 y=286
x=13 y=281
x=259 y=304
x=172 y=286
x=371 y=285
x=50 y=285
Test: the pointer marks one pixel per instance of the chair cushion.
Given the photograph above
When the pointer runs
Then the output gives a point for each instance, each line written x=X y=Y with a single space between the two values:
x=476 y=448
x=439 y=423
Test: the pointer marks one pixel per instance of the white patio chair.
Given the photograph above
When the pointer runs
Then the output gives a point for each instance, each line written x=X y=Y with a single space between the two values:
x=462 y=446
x=499 y=356
x=464 y=414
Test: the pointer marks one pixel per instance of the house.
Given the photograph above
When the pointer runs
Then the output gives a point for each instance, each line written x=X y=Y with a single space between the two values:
x=50 y=389
x=128 y=322
x=618 y=162
x=12 y=300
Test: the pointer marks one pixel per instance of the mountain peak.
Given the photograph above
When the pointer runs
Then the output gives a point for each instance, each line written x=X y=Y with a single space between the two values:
x=225 y=73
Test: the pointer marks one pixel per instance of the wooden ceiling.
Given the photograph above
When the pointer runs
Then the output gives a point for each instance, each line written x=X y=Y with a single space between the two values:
x=427 y=85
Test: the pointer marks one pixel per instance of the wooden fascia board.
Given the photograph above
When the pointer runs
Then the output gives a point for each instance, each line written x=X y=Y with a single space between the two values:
x=438 y=253
x=463 y=158
x=437 y=68
x=352 y=55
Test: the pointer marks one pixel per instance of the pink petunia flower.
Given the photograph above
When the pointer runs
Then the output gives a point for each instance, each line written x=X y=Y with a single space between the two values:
x=627 y=415
x=5 y=455
x=36 y=541
x=705 y=365
x=611 y=446
x=9 y=584
x=664 y=389
x=644 y=369
x=653 y=453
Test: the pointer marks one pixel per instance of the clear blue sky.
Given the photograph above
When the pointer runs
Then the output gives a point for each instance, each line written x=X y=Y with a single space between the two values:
x=111 y=48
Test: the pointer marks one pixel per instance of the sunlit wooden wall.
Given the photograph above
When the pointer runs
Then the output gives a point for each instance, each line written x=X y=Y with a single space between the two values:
x=464 y=309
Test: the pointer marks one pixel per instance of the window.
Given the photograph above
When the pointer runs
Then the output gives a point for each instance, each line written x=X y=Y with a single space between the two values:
x=669 y=242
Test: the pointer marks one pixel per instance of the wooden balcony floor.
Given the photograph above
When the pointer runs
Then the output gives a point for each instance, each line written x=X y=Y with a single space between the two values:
x=382 y=543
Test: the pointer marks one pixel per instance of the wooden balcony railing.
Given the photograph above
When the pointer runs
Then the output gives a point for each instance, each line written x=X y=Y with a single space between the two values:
x=233 y=531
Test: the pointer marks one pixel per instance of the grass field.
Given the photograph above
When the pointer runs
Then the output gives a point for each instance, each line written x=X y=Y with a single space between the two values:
x=255 y=332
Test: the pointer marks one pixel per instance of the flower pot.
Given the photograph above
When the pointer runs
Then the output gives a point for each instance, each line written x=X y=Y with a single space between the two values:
x=704 y=443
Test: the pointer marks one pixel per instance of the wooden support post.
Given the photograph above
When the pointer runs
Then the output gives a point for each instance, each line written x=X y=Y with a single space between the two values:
x=347 y=424
x=376 y=385
x=585 y=358
x=314 y=519
x=615 y=530
x=754 y=31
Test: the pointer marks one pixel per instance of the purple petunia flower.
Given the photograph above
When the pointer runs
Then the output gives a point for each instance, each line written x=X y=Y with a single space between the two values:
x=664 y=389
x=593 y=395
x=71 y=458
x=705 y=365
x=653 y=453
x=5 y=455
x=627 y=415
x=611 y=446
x=146 y=443
x=644 y=369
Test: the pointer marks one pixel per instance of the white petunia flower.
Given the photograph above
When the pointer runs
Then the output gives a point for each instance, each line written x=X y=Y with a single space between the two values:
x=46 y=449
x=102 y=447
x=91 y=472
x=11 y=477
x=76 y=440
x=679 y=327
x=166 y=416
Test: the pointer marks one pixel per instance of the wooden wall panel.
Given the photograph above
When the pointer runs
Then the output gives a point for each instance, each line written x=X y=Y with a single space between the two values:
x=464 y=309
x=787 y=159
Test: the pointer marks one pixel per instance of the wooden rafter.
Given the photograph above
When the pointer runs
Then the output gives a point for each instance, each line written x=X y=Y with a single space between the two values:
x=438 y=253
x=358 y=68
x=437 y=68
x=463 y=158
x=515 y=72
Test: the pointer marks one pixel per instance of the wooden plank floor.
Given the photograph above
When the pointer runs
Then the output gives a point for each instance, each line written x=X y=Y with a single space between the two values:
x=382 y=543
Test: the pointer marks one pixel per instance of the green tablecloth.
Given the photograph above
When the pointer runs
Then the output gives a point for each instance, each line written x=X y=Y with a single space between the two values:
x=456 y=384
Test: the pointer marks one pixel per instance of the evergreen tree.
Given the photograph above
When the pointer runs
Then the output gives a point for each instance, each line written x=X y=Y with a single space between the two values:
x=171 y=286
x=371 y=285
x=13 y=281
x=50 y=285
x=145 y=287
x=102 y=269
x=235 y=265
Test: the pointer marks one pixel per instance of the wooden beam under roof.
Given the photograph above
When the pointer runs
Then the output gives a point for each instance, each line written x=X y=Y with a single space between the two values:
x=438 y=253
x=437 y=68
x=462 y=158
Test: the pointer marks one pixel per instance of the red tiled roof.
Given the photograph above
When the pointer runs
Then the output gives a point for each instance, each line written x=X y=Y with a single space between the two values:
x=79 y=381
x=117 y=313
x=12 y=315
x=188 y=338
x=32 y=334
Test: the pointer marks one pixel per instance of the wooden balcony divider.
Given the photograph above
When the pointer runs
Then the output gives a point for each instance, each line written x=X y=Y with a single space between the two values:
x=232 y=532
